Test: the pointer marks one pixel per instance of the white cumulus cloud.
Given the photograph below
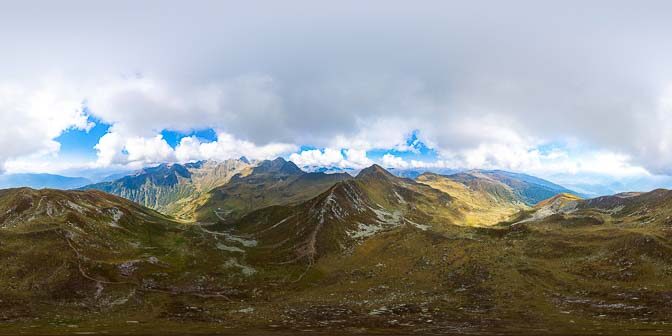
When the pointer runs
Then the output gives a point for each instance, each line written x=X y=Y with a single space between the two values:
x=330 y=157
x=32 y=116
x=391 y=161
x=484 y=83
x=228 y=147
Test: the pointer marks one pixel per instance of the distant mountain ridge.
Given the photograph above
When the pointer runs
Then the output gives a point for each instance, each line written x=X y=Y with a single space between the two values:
x=169 y=188
x=484 y=200
x=531 y=190
x=271 y=182
x=210 y=191
x=39 y=181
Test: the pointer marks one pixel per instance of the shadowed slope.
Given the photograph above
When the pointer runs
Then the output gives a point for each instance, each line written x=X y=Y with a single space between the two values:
x=174 y=188
x=276 y=182
x=347 y=213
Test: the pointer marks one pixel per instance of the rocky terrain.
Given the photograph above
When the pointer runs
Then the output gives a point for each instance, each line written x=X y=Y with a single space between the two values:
x=174 y=189
x=276 y=182
x=374 y=253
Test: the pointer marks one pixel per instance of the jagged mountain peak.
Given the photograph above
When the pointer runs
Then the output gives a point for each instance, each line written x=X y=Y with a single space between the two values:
x=272 y=182
x=278 y=165
x=167 y=174
x=375 y=171
x=170 y=188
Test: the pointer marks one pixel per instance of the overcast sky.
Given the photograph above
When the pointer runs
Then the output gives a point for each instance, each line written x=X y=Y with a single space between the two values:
x=549 y=88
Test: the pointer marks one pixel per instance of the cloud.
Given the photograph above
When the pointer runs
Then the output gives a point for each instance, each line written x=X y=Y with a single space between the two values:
x=228 y=147
x=329 y=157
x=116 y=149
x=556 y=162
x=32 y=116
x=315 y=157
x=391 y=161
x=357 y=158
x=143 y=106
x=485 y=84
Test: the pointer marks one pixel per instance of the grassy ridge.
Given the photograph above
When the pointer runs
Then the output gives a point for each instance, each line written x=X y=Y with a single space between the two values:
x=375 y=253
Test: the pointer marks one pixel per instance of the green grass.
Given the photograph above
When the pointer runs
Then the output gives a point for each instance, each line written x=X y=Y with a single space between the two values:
x=593 y=270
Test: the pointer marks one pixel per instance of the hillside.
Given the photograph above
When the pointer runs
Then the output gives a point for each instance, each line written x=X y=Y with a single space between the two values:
x=529 y=189
x=371 y=254
x=348 y=212
x=276 y=182
x=625 y=209
x=173 y=188
x=81 y=253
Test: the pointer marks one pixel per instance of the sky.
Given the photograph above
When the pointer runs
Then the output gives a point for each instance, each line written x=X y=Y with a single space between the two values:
x=577 y=92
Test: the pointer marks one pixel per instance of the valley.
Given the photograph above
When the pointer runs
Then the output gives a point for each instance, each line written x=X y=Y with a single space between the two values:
x=268 y=248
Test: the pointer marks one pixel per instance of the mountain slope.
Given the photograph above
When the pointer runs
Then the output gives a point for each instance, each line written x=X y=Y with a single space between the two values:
x=376 y=201
x=483 y=200
x=86 y=252
x=60 y=245
x=276 y=182
x=632 y=208
x=371 y=254
x=386 y=244
x=531 y=190
x=25 y=209
x=172 y=188
x=347 y=213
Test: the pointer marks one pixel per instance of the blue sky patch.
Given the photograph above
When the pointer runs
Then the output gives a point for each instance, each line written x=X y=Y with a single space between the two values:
x=173 y=137
x=418 y=150
x=79 y=143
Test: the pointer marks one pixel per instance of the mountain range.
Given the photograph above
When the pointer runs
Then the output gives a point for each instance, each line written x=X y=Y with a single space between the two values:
x=39 y=181
x=172 y=188
x=276 y=182
x=210 y=191
x=255 y=247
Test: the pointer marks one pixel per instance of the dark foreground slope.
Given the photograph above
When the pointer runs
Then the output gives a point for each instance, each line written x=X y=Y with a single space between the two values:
x=375 y=254
x=73 y=256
